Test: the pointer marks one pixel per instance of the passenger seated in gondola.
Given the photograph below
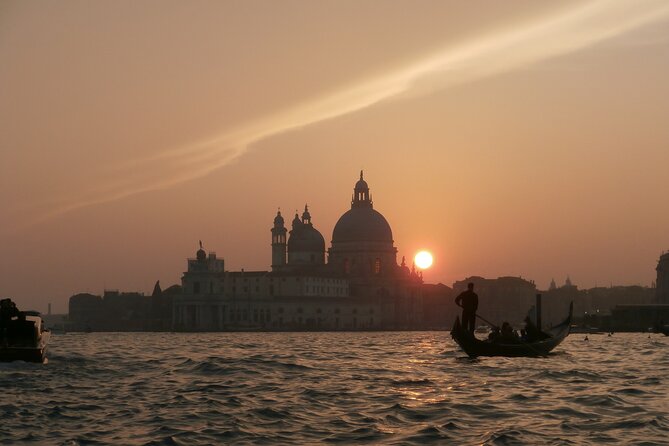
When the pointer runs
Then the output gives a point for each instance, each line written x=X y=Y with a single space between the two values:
x=507 y=333
x=532 y=332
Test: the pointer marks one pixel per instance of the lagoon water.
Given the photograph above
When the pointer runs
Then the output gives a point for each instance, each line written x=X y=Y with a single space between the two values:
x=385 y=388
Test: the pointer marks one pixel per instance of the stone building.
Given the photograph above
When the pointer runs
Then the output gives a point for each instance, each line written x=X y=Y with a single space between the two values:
x=359 y=286
x=662 y=283
x=122 y=311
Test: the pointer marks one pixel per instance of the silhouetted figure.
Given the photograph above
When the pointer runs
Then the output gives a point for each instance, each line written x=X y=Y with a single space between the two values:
x=532 y=332
x=8 y=311
x=469 y=301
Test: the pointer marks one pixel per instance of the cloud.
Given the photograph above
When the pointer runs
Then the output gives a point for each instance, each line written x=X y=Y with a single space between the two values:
x=497 y=52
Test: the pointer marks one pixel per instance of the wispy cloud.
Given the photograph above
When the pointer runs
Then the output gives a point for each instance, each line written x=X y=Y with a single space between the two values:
x=498 y=52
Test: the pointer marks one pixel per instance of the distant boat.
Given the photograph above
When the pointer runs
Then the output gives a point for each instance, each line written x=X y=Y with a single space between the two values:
x=24 y=340
x=475 y=347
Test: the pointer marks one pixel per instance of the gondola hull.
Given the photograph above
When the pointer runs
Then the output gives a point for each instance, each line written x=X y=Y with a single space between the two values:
x=475 y=347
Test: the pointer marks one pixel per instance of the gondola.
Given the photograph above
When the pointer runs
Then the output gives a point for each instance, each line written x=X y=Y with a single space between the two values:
x=475 y=347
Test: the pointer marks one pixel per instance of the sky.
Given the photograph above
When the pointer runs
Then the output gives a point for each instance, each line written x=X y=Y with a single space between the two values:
x=522 y=138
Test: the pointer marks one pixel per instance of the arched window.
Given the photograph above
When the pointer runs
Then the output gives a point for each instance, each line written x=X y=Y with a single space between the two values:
x=347 y=267
x=377 y=266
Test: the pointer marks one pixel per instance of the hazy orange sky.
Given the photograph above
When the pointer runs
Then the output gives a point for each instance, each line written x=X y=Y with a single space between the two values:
x=508 y=138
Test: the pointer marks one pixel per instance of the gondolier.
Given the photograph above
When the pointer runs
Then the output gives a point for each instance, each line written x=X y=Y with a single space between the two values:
x=469 y=301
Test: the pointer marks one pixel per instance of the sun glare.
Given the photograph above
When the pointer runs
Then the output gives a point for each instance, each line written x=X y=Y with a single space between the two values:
x=423 y=260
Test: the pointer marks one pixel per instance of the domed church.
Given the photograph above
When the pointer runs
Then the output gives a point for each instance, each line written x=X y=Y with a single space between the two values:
x=362 y=241
x=359 y=287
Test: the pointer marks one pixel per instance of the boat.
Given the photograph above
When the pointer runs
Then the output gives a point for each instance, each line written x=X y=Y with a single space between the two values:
x=24 y=338
x=476 y=347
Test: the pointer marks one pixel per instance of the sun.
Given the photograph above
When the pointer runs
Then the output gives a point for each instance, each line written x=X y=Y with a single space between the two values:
x=423 y=260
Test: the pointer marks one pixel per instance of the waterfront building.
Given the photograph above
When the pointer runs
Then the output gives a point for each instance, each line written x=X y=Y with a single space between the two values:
x=662 y=290
x=359 y=286
x=122 y=311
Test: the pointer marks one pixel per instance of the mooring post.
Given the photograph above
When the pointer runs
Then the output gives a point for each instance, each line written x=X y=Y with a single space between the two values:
x=538 y=307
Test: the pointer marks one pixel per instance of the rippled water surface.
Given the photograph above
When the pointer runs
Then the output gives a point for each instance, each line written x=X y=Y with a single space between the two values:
x=390 y=388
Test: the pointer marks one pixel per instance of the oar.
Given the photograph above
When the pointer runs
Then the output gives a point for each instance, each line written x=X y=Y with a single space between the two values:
x=486 y=321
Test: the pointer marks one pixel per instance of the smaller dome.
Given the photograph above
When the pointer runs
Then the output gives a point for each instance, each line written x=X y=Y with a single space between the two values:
x=306 y=238
x=361 y=185
x=278 y=220
x=306 y=216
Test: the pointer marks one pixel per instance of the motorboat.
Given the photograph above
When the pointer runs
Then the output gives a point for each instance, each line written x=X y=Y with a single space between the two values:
x=24 y=338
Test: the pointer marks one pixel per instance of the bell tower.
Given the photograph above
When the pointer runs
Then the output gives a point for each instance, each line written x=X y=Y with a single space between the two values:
x=278 y=243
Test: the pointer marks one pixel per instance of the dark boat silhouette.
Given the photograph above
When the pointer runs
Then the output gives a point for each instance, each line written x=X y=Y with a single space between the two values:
x=24 y=339
x=475 y=347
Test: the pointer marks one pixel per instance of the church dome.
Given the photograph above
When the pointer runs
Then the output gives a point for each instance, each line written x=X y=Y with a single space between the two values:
x=361 y=184
x=362 y=224
x=306 y=238
x=278 y=220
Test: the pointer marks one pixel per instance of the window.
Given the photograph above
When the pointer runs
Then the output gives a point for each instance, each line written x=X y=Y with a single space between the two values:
x=377 y=266
x=347 y=267
x=196 y=287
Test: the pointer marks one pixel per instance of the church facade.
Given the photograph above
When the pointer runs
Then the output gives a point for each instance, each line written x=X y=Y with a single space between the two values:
x=356 y=284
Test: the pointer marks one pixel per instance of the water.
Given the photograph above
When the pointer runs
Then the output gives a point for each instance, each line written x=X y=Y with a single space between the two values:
x=389 y=388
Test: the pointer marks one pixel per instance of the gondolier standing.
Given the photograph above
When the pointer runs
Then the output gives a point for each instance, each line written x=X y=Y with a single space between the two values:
x=469 y=301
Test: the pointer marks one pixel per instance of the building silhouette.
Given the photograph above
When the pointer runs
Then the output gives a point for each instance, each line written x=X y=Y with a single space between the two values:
x=662 y=283
x=359 y=286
